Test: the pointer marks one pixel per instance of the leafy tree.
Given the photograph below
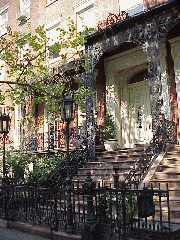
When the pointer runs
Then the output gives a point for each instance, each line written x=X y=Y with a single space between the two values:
x=26 y=57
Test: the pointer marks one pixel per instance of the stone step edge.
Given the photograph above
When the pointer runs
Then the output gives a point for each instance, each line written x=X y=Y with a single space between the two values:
x=168 y=166
x=168 y=172
x=165 y=209
x=165 y=220
x=167 y=180
x=112 y=161
x=99 y=174
x=103 y=169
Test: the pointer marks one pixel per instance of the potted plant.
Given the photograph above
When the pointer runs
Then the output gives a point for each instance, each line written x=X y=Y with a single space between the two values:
x=109 y=132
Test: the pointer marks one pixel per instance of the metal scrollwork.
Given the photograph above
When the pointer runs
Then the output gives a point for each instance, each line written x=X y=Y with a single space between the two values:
x=166 y=132
x=166 y=22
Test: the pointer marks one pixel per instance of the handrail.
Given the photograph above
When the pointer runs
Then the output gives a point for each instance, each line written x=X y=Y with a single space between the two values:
x=58 y=174
x=165 y=133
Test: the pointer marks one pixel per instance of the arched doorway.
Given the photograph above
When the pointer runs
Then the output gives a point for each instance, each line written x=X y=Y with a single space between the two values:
x=140 y=120
x=128 y=95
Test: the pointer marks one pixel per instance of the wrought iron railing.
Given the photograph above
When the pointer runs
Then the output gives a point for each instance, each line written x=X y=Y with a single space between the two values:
x=58 y=175
x=166 y=132
x=57 y=139
x=171 y=132
x=107 y=213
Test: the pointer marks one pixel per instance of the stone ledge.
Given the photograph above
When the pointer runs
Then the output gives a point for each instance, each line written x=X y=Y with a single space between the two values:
x=40 y=231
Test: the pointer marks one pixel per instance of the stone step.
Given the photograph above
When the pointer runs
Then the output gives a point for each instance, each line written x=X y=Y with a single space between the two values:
x=170 y=160
x=112 y=160
x=172 y=183
x=172 y=191
x=101 y=166
x=99 y=176
x=166 y=167
x=173 y=201
x=174 y=154
x=102 y=170
x=165 y=220
x=175 y=150
x=174 y=212
x=94 y=171
x=169 y=174
x=121 y=164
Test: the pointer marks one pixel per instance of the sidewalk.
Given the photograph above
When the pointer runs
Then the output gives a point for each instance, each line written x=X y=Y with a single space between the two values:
x=12 y=234
x=26 y=229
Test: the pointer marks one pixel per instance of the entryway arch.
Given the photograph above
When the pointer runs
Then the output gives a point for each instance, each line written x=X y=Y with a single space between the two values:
x=147 y=31
x=123 y=90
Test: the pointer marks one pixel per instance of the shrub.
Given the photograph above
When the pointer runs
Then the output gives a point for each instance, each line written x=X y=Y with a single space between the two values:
x=109 y=128
x=18 y=164
x=108 y=211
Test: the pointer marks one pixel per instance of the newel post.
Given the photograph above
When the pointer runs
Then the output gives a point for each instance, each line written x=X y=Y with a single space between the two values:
x=91 y=229
x=116 y=176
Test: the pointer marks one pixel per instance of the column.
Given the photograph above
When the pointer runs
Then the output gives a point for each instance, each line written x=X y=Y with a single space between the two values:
x=154 y=72
x=89 y=83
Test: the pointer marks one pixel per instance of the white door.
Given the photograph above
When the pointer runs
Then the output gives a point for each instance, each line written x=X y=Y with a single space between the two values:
x=140 y=121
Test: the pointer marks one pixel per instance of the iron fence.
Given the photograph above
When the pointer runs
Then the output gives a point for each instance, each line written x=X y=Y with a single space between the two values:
x=98 y=212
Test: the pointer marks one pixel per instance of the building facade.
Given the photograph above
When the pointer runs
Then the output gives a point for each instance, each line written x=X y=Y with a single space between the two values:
x=134 y=62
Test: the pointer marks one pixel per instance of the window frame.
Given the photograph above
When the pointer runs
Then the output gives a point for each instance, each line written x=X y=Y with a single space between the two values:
x=4 y=10
x=50 y=24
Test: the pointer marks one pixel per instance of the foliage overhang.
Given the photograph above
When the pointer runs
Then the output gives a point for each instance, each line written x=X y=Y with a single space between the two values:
x=27 y=61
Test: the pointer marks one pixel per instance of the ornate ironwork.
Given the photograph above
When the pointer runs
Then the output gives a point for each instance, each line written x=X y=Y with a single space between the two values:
x=147 y=31
x=58 y=175
x=91 y=228
x=171 y=132
x=111 y=213
x=166 y=132
x=44 y=203
x=56 y=139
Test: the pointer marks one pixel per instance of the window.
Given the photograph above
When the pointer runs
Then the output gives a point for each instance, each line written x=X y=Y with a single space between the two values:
x=84 y=13
x=3 y=19
x=131 y=7
x=53 y=35
x=86 y=18
x=136 y=9
x=24 y=13
x=51 y=31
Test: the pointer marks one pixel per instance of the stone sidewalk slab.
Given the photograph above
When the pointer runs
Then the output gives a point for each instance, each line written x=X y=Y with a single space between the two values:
x=40 y=231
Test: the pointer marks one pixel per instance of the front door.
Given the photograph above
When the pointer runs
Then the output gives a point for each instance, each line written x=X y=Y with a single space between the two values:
x=140 y=121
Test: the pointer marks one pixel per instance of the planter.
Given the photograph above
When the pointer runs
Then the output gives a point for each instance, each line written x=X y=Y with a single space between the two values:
x=110 y=144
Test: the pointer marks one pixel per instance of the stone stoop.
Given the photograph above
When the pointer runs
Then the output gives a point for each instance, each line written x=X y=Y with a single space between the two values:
x=102 y=168
x=168 y=171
